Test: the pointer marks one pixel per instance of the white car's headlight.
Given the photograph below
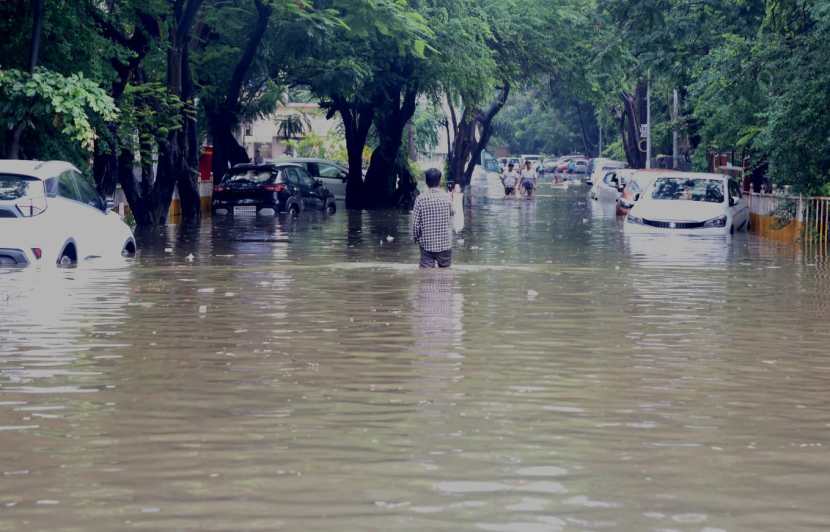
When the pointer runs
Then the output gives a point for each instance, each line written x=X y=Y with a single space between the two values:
x=634 y=220
x=715 y=222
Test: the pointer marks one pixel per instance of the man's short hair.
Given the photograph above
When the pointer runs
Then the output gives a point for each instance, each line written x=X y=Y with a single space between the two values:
x=433 y=177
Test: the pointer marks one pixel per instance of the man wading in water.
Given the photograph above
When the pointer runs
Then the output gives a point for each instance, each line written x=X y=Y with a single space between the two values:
x=431 y=223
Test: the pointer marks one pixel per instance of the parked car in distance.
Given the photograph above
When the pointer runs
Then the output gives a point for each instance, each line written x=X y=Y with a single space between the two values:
x=610 y=187
x=51 y=214
x=634 y=187
x=548 y=166
x=533 y=158
x=689 y=203
x=598 y=167
x=333 y=175
x=580 y=167
x=270 y=188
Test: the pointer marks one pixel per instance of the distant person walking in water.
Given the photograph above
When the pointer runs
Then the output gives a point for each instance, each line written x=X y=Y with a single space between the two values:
x=510 y=179
x=528 y=179
x=432 y=223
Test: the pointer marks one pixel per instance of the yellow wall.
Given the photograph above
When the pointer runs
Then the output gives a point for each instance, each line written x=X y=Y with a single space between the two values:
x=768 y=227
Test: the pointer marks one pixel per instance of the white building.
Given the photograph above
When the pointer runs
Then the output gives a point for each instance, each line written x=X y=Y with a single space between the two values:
x=264 y=134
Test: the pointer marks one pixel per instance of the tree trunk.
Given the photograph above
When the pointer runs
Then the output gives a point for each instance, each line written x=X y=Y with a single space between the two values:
x=226 y=149
x=357 y=121
x=106 y=162
x=37 y=30
x=471 y=136
x=631 y=116
x=34 y=55
x=178 y=155
x=381 y=178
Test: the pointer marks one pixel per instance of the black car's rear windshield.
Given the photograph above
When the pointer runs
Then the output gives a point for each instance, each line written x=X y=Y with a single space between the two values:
x=252 y=175
x=14 y=187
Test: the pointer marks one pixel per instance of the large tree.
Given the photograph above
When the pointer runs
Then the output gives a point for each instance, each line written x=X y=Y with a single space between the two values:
x=522 y=42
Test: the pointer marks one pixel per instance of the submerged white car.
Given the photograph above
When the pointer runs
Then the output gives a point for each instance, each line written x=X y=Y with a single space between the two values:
x=50 y=214
x=610 y=187
x=689 y=203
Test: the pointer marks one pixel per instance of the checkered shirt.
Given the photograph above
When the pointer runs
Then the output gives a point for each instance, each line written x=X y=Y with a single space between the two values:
x=431 y=221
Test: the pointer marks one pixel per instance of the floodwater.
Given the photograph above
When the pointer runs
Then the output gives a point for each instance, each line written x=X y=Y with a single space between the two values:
x=303 y=375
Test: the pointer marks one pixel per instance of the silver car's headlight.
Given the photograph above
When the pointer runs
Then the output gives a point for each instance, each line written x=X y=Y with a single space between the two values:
x=634 y=220
x=715 y=222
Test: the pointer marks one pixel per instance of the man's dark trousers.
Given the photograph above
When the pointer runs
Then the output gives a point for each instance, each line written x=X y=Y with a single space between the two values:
x=430 y=258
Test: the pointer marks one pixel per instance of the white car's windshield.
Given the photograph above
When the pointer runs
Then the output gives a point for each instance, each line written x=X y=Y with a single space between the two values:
x=688 y=189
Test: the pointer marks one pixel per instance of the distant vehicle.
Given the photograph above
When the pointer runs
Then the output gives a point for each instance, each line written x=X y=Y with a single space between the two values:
x=689 y=203
x=597 y=168
x=51 y=214
x=548 y=166
x=491 y=165
x=580 y=167
x=333 y=175
x=270 y=188
x=634 y=187
x=610 y=187
x=534 y=159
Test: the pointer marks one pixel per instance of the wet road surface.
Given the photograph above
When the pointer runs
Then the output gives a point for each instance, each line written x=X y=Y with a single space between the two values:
x=303 y=375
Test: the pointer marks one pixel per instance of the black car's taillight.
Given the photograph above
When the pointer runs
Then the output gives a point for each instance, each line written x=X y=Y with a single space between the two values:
x=274 y=187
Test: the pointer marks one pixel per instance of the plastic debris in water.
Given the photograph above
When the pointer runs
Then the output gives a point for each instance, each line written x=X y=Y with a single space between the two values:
x=390 y=238
x=189 y=257
x=202 y=309
x=168 y=250
x=532 y=294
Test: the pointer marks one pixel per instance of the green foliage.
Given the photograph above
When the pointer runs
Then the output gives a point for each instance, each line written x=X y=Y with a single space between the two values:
x=149 y=113
x=429 y=119
x=294 y=125
x=46 y=97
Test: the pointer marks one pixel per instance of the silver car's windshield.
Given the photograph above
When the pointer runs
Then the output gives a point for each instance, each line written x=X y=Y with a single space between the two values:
x=688 y=189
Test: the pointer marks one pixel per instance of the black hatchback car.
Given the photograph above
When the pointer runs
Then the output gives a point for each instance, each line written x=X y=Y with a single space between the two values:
x=281 y=187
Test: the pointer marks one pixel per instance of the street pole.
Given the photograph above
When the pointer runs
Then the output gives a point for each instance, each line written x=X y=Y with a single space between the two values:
x=674 y=135
x=648 y=121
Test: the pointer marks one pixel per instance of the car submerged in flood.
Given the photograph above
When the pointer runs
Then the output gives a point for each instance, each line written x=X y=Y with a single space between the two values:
x=689 y=203
x=270 y=189
x=51 y=214
x=636 y=183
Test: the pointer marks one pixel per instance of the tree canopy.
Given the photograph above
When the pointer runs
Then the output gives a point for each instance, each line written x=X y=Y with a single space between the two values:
x=131 y=89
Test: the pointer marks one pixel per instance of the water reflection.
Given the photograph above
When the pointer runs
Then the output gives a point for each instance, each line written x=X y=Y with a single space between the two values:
x=267 y=372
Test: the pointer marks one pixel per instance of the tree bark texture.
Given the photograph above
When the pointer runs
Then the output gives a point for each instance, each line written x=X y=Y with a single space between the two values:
x=178 y=154
x=471 y=134
x=357 y=121
x=381 y=181
x=630 y=117
x=106 y=165
x=34 y=56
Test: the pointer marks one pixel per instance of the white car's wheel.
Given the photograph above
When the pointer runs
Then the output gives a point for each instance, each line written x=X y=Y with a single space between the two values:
x=129 y=249
x=68 y=256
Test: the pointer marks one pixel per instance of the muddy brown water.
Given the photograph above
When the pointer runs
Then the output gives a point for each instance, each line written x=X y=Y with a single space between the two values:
x=303 y=375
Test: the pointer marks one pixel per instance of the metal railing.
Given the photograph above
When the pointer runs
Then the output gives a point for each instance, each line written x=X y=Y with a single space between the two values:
x=816 y=224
